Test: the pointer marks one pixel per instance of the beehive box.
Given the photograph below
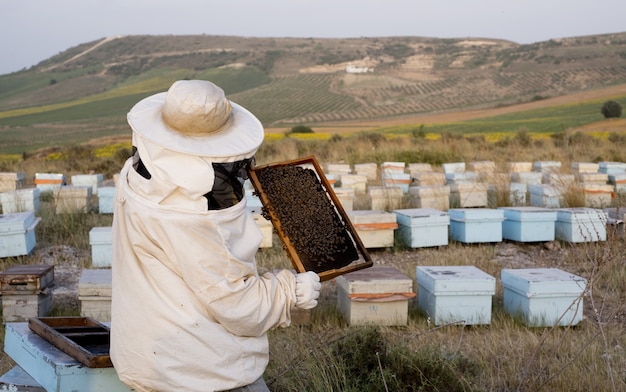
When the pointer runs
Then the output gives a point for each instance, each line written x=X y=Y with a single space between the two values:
x=528 y=224
x=544 y=196
x=616 y=220
x=369 y=170
x=393 y=179
x=580 y=225
x=53 y=369
x=585 y=167
x=346 y=197
x=375 y=228
x=461 y=178
x=455 y=294
x=543 y=297
x=358 y=182
x=518 y=167
x=26 y=279
x=528 y=178
x=514 y=193
x=47 y=182
x=453 y=167
x=17 y=380
x=267 y=230
x=593 y=178
x=385 y=198
x=20 y=200
x=337 y=168
x=101 y=242
x=468 y=195
x=487 y=167
x=377 y=295
x=475 y=225
x=413 y=168
x=21 y=307
x=598 y=196
x=17 y=233
x=94 y=294
x=429 y=178
x=94 y=181
x=546 y=166
x=422 y=227
x=392 y=167
x=436 y=197
x=106 y=194
x=72 y=199
x=10 y=181
x=618 y=180
x=611 y=167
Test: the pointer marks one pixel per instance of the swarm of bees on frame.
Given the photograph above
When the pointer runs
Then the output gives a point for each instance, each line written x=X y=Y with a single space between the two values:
x=307 y=217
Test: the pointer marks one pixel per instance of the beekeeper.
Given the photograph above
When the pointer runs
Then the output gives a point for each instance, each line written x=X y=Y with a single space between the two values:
x=189 y=310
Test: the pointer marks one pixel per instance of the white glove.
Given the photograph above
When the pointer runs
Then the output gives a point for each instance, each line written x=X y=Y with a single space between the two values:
x=307 y=290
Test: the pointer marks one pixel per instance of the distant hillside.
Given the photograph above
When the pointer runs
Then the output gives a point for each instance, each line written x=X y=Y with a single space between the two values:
x=285 y=81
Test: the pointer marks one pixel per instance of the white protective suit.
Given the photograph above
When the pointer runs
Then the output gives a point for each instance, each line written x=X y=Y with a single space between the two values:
x=189 y=310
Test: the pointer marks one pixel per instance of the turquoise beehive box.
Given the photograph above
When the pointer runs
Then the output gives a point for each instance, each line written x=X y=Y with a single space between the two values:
x=474 y=225
x=422 y=227
x=528 y=224
x=106 y=194
x=543 y=297
x=581 y=224
x=101 y=242
x=455 y=294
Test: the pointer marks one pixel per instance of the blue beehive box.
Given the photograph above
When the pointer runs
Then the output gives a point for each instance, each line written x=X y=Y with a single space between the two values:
x=106 y=194
x=422 y=227
x=53 y=369
x=455 y=294
x=580 y=224
x=528 y=224
x=101 y=242
x=472 y=225
x=17 y=233
x=543 y=297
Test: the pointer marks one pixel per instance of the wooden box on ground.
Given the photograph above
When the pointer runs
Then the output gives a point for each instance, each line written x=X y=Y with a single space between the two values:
x=53 y=369
x=25 y=291
x=430 y=196
x=10 y=181
x=369 y=170
x=528 y=224
x=468 y=195
x=598 y=196
x=375 y=228
x=543 y=297
x=422 y=227
x=455 y=294
x=545 y=196
x=20 y=200
x=474 y=225
x=94 y=181
x=357 y=182
x=101 y=242
x=376 y=295
x=580 y=224
x=385 y=198
x=17 y=233
x=346 y=197
x=94 y=294
x=400 y=180
x=72 y=199
x=47 y=182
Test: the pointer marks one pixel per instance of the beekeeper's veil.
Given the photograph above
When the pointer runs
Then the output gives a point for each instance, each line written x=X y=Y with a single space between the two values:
x=192 y=145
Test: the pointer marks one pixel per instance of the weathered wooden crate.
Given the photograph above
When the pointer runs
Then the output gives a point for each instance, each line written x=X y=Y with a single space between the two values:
x=436 y=197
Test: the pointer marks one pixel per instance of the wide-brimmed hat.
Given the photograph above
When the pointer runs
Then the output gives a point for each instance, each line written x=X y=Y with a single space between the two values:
x=194 y=117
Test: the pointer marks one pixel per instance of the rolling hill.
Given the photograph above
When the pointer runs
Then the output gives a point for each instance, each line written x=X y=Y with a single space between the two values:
x=85 y=91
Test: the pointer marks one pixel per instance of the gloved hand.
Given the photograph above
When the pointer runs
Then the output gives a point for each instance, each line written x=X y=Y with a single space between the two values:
x=307 y=290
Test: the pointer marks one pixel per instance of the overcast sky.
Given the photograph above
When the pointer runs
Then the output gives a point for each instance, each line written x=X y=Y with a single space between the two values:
x=34 y=30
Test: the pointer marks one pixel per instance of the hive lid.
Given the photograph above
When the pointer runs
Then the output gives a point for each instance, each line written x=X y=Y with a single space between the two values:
x=542 y=282
x=455 y=280
x=421 y=216
x=375 y=280
x=476 y=214
x=529 y=213
x=17 y=222
x=581 y=214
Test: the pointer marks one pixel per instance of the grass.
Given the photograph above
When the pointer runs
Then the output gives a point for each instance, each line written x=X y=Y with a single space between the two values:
x=327 y=354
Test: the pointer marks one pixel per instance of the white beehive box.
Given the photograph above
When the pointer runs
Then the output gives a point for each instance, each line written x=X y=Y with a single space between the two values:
x=517 y=167
x=94 y=294
x=413 y=168
x=598 y=196
x=544 y=195
x=422 y=227
x=612 y=167
x=386 y=198
x=429 y=178
x=580 y=225
x=376 y=295
x=436 y=197
x=396 y=179
x=375 y=228
x=20 y=200
x=10 y=181
x=106 y=194
x=468 y=195
x=53 y=369
x=618 y=180
x=528 y=224
x=346 y=197
x=266 y=229
x=72 y=199
x=528 y=178
x=101 y=242
x=455 y=294
x=369 y=170
x=47 y=182
x=338 y=168
x=560 y=181
x=547 y=166
x=593 y=178
x=461 y=178
x=453 y=167
x=484 y=167
x=392 y=167
x=358 y=182
x=543 y=297
x=475 y=225
x=91 y=180
x=17 y=233
x=585 y=167
x=514 y=193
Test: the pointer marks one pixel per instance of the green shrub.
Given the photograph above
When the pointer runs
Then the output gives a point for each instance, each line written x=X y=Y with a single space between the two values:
x=611 y=109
